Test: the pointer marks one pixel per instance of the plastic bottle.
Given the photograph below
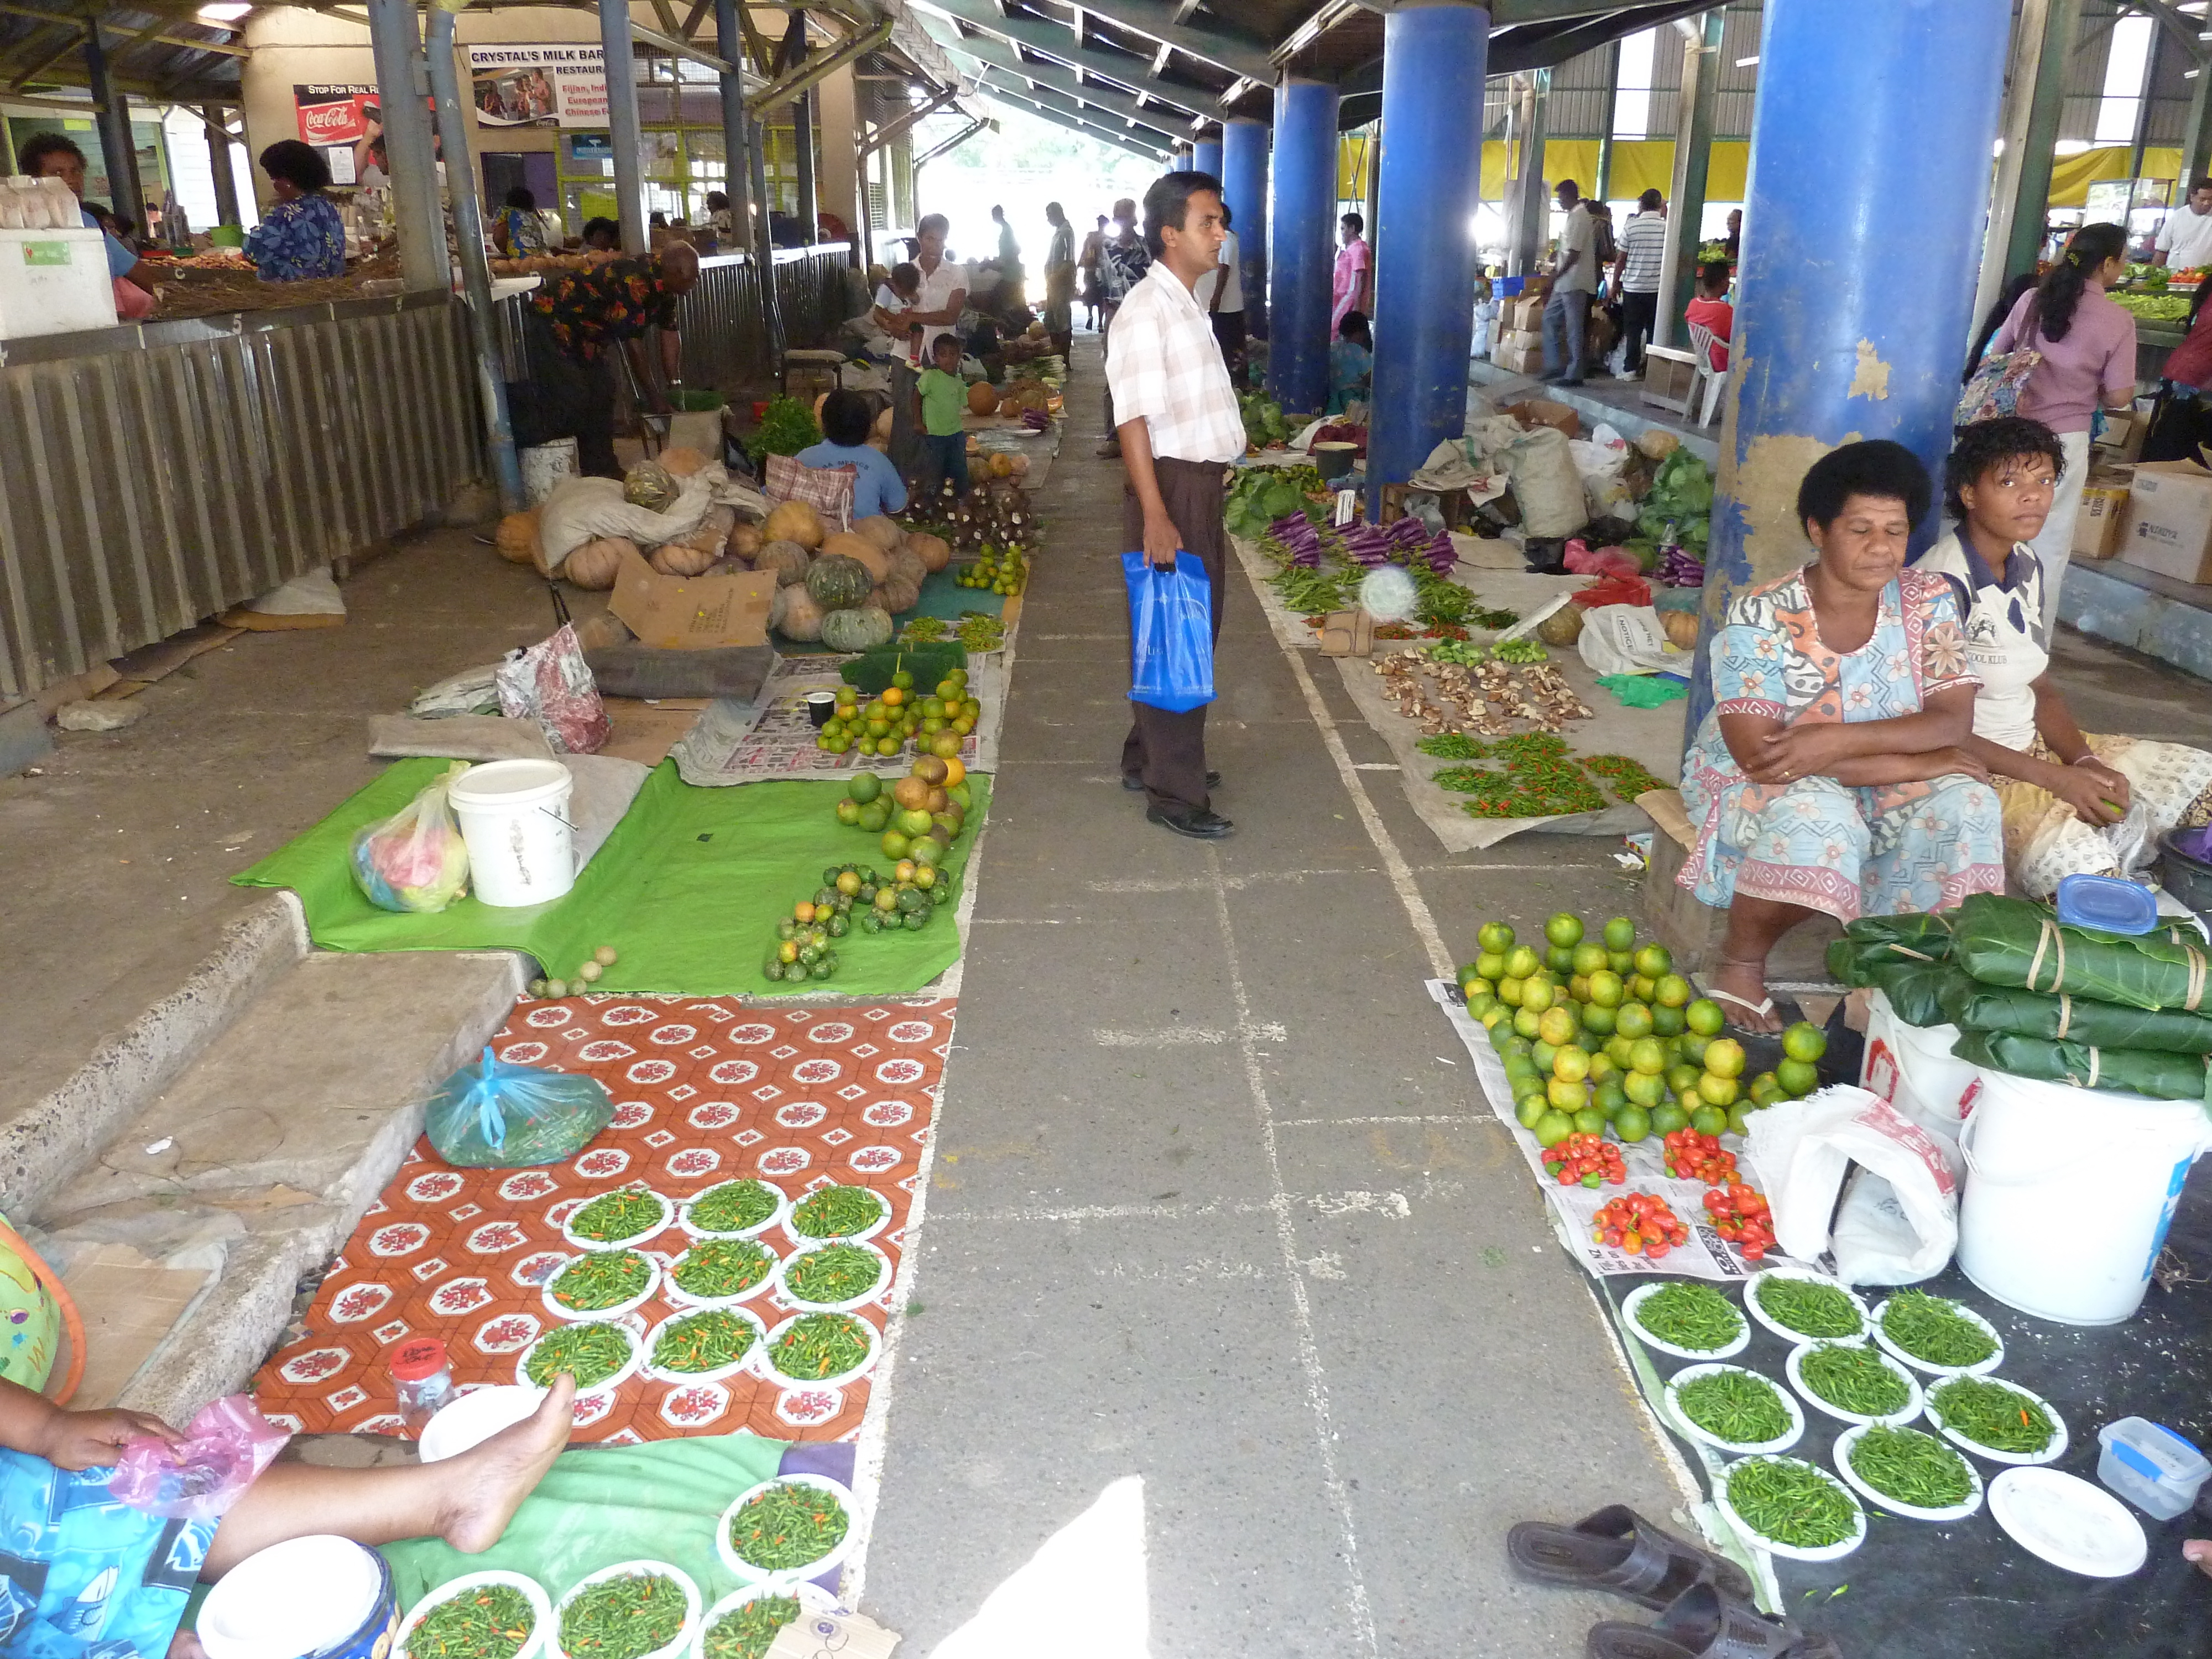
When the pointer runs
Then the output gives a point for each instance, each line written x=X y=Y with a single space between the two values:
x=422 y=1380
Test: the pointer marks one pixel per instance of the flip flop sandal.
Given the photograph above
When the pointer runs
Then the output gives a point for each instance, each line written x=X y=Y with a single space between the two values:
x=1703 y=1624
x=1760 y=1010
x=1618 y=1550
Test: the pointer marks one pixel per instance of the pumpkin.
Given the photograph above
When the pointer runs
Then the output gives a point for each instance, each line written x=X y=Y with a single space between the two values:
x=846 y=546
x=908 y=565
x=882 y=429
x=1681 y=628
x=745 y=540
x=1562 y=627
x=859 y=629
x=794 y=614
x=818 y=402
x=595 y=564
x=794 y=521
x=681 y=559
x=934 y=551
x=787 y=559
x=682 y=461
x=649 y=485
x=883 y=532
x=900 y=595
x=838 y=583
x=518 y=536
x=1021 y=466
x=1002 y=465
x=982 y=399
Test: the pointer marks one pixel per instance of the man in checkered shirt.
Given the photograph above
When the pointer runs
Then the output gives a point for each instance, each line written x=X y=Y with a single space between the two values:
x=1180 y=429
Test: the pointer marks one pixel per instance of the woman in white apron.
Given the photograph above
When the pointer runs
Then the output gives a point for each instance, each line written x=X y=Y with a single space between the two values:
x=2060 y=789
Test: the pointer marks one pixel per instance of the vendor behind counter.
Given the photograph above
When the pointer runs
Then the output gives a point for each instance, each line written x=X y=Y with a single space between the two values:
x=571 y=324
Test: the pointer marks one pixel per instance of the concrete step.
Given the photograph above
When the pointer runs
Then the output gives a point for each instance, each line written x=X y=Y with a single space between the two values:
x=187 y=1232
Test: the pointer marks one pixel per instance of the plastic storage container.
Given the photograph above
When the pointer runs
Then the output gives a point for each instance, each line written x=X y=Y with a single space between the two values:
x=2151 y=1466
x=2106 y=904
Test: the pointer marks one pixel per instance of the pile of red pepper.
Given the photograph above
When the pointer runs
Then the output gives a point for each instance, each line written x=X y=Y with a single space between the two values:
x=1693 y=1157
x=1591 y=1159
x=1740 y=1214
x=1640 y=1224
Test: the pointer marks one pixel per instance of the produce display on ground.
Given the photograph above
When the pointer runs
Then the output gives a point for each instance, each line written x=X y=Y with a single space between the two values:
x=780 y=740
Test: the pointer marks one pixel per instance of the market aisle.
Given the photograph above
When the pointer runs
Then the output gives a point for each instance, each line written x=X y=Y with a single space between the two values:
x=1213 y=1208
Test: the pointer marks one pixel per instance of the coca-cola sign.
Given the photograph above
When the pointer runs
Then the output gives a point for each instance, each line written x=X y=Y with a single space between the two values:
x=335 y=113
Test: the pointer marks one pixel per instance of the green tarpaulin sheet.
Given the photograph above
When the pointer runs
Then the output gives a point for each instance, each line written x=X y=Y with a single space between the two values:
x=1977 y=1007
x=687 y=889
x=2135 y=1071
x=599 y=1506
x=2001 y=941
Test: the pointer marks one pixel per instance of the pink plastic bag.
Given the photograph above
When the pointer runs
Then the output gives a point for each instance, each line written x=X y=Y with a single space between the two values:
x=1582 y=559
x=550 y=683
x=227 y=1447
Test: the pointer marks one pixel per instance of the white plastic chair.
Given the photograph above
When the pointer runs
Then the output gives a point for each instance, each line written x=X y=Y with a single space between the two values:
x=1707 y=381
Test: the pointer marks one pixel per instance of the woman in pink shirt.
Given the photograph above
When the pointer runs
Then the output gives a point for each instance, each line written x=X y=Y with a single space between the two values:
x=2089 y=347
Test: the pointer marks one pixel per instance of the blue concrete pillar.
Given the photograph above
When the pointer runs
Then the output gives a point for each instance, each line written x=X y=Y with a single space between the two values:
x=1181 y=160
x=1871 y=134
x=1206 y=158
x=1244 y=187
x=1433 y=60
x=1301 y=244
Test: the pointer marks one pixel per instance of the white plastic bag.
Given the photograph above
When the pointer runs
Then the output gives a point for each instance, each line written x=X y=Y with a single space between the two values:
x=1898 y=1226
x=1627 y=639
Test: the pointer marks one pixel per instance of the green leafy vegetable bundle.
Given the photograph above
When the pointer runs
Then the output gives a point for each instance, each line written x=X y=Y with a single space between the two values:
x=787 y=427
x=2004 y=941
x=1682 y=496
x=2137 y=1071
x=2019 y=1012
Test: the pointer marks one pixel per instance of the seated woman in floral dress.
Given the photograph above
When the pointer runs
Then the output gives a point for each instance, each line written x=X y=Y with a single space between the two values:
x=1831 y=774
x=2059 y=790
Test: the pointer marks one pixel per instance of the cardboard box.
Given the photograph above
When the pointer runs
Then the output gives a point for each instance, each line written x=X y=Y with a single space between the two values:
x=1347 y=634
x=680 y=613
x=1543 y=411
x=1525 y=339
x=1521 y=360
x=2122 y=440
x=2103 y=509
x=2169 y=521
x=1527 y=315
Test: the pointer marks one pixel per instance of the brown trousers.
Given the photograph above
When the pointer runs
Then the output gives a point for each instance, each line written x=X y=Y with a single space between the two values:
x=1166 y=749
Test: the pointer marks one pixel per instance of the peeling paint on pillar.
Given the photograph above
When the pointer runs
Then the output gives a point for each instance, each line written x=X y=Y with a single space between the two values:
x=1872 y=131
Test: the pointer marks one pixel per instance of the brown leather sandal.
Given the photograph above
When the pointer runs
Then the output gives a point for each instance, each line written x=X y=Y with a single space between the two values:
x=1702 y=1623
x=1618 y=1550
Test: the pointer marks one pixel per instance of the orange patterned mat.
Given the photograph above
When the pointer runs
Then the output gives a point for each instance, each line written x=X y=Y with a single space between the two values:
x=706 y=1091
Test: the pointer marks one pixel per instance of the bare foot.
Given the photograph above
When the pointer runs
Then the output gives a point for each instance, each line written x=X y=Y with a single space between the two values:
x=488 y=1482
x=2198 y=1553
x=1745 y=986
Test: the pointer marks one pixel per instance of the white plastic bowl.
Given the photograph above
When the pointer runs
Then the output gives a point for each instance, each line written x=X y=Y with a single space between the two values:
x=783 y=1278
x=1794 y=1366
x=2050 y=1454
x=1681 y=1420
x=1928 y=1367
x=629 y=1326
x=638 y=1570
x=306 y=1595
x=541 y=1609
x=474 y=1417
x=812 y=1598
x=769 y=1372
x=1637 y=1297
x=577 y=1241
x=1866 y=1489
x=560 y=1310
x=803 y=1240
x=1775 y=1547
x=1795 y=1337
x=662 y=1374
x=782 y=1208
x=813 y=1569
x=675 y=1293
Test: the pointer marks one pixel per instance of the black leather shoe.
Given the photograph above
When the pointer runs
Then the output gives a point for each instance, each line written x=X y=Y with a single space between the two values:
x=1135 y=785
x=1198 y=822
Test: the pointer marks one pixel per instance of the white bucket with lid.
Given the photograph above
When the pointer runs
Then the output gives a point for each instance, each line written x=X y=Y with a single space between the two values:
x=1913 y=1068
x=544 y=467
x=2069 y=1192
x=514 y=817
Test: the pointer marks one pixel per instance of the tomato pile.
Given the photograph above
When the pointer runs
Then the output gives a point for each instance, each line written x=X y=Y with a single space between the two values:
x=1740 y=1214
x=1694 y=1157
x=1591 y=1159
x=1639 y=1224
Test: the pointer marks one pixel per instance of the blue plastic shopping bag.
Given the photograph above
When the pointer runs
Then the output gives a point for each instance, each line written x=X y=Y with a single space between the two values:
x=1172 y=633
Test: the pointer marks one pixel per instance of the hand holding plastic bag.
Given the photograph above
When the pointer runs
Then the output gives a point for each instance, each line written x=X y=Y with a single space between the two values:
x=226 y=1448
x=415 y=860
x=1170 y=632
x=498 y=1116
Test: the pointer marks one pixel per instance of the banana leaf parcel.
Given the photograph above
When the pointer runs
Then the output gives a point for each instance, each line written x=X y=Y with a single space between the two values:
x=2137 y=1071
x=1914 y=989
x=1875 y=941
x=2002 y=941
x=1974 y=1007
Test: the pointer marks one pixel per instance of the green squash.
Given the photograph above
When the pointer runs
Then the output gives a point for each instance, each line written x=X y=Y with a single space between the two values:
x=838 y=583
x=859 y=629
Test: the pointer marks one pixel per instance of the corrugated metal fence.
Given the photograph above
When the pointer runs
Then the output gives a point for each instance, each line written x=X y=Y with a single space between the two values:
x=154 y=475
x=724 y=343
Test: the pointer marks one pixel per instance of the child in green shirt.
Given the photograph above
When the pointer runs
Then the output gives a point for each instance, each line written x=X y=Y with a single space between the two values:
x=944 y=397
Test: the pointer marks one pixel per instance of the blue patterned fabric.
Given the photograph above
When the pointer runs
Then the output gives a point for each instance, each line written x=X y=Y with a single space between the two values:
x=82 y=1575
x=298 y=240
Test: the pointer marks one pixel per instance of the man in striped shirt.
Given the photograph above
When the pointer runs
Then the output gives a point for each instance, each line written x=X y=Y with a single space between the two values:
x=1636 y=274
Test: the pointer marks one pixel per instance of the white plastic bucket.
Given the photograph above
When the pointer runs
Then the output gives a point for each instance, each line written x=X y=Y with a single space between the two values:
x=1913 y=1068
x=514 y=817
x=2069 y=1193
x=544 y=466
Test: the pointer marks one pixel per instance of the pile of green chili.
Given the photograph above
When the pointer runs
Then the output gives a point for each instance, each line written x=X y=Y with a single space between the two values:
x=623 y=1617
x=1930 y=1328
x=790 y=1525
x=1739 y=1407
x=703 y=1342
x=601 y=1279
x=1993 y=1415
x=1855 y=1379
x=1913 y=1468
x=735 y=1206
x=589 y=1352
x=491 y=1621
x=748 y=1632
x=1693 y=1316
x=1791 y=1502
x=836 y=1273
x=722 y=1266
x=819 y=1345
x=622 y=1215
x=1809 y=1310
x=836 y=1213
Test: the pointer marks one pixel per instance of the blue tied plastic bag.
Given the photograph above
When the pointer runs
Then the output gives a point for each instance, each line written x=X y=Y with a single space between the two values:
x=497 y=1116
x=1172 y=633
